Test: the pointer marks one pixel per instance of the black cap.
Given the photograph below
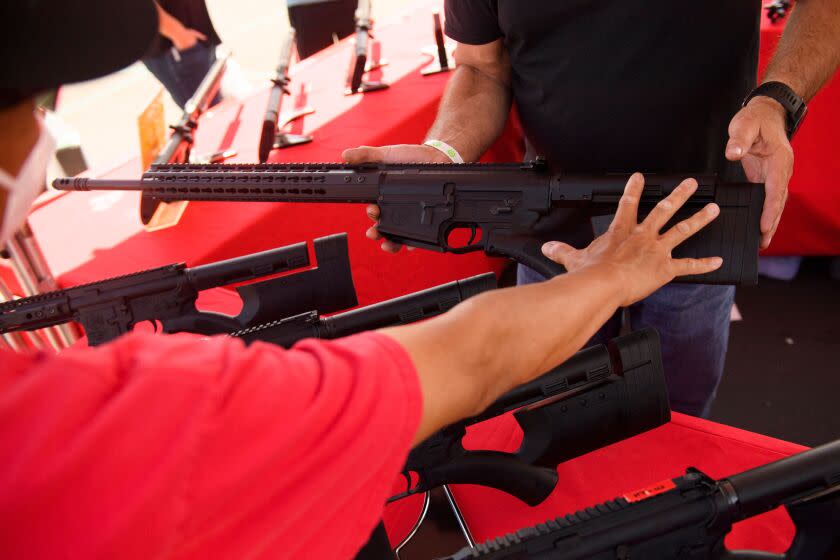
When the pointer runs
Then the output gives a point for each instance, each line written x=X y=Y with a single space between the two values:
x=48 y=43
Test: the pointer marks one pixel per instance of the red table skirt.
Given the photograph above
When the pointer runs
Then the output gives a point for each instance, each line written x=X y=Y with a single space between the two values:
x=662 y=453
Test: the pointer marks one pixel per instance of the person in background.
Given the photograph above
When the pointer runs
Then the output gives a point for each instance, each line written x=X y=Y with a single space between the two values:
x=184 y=49
x=605 y=86
x=182 y=446
x=319 y=23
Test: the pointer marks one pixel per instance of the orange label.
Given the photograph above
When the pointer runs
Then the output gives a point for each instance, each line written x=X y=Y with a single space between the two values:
x=650 y=491
x=152 y=128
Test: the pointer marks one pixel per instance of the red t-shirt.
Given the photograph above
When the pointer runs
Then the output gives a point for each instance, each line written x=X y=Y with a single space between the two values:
x=187 y=447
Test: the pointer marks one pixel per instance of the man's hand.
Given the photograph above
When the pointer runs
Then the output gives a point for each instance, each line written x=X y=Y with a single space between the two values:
x=638 y=256
x=401 y=153
x=758 y=138
x=182 y=37
x=186 y=38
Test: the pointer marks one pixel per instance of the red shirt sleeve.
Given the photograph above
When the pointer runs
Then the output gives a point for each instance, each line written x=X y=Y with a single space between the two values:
x=182 y=447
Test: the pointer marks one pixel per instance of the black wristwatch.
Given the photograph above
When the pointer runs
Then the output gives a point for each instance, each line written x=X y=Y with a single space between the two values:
x=794 y=105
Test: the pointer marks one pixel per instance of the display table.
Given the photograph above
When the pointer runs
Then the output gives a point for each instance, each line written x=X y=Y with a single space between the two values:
x=90 y=236
x=662 y=453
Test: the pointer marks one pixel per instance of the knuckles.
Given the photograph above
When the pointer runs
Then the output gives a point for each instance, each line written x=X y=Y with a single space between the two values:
x=665 y=204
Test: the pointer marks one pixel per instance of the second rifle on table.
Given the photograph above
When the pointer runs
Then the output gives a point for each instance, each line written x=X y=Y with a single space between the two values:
x=167 y=295
x=599 y=396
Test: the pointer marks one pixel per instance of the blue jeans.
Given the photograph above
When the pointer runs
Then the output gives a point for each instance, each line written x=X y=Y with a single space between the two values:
x=693 y=324
x=182 y=75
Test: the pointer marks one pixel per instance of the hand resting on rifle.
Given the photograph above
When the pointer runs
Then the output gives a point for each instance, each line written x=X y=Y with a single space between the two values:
x=472 y=114
x=470 y=356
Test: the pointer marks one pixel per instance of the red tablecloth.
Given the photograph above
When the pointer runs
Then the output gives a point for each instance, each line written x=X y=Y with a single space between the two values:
x=664 y=452
x=88 y=236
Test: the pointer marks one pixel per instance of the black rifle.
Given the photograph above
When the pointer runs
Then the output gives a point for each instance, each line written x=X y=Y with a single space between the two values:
x=441 y=64
x=359 y=62
x=516 y=207
x=689 y=517
x=599 y=396
x=109 y=308
x=177 y=149
x=270 y=137
x=398 y=311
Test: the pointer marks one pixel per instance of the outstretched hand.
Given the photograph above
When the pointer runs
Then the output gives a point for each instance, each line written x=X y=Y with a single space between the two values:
x=638 y=255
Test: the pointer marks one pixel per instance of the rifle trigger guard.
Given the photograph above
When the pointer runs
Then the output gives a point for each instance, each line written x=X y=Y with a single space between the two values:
x=472 y=235
x=470 y=246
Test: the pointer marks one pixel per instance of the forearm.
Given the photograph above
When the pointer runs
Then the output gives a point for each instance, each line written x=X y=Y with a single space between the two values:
x=515 y=335
x=472 y=112
x=809 y=50
x=501 y=339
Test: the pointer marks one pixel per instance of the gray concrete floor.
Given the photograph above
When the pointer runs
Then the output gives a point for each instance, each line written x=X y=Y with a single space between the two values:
x=104 y=111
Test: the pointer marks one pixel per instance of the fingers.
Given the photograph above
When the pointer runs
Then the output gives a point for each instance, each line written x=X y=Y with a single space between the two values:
x=684 y=267
x=743 y=131
x=399 y=153
x=373 y=233
x=559 y=252
x=387 y=245
x=628 y=206
x=198 y=34
x=373 y=212
x=688 y=227
x=779 y=170
x=363 y=154
x=390 y=246
x=668 y=206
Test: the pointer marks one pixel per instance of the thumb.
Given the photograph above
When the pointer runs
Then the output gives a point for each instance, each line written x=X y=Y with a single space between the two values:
x=398 y=153
x=362 y=154
x=559 y=252
x=743 y=132
x=198 y=34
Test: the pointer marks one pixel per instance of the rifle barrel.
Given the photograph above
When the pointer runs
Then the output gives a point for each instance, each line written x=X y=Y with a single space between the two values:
x=805 y=474
x=189 y=189
x=275 y=98
x=207 y=89
x=362 y=14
